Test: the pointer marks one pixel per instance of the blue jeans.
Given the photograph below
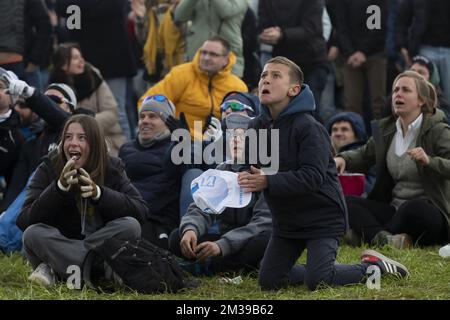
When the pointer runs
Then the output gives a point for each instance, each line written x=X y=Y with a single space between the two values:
x=441 y=57
x=185 y=193
x=316 y=79
x=327 y=106
x=118 y=87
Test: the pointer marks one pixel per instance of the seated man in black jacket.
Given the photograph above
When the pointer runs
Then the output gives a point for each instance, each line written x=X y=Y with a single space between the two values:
x=304 y=196
x=144 y=164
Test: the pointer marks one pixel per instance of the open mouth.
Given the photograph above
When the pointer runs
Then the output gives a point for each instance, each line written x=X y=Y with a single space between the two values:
x=75 y=155
x=399 y=103
x=265 y=91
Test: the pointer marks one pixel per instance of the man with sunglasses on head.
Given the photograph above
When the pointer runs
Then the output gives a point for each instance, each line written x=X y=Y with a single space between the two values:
x=144 y=164
x=198 y=87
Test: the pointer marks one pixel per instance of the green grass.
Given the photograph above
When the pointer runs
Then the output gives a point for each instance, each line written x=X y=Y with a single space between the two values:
x=430 y=279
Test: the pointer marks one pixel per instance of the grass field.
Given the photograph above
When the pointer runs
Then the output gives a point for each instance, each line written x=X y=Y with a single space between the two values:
x=430 y=279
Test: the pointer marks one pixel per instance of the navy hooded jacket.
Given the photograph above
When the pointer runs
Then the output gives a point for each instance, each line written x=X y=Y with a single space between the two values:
x=305 y=196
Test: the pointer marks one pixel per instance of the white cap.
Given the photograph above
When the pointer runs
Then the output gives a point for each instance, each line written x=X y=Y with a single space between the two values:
x=215 y=190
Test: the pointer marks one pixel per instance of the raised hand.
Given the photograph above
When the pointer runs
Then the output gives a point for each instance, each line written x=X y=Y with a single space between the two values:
x=419 y=155
x=19 y=88
x=68 y=175
x=88 y=187
x=173 y=124
x=213 y=129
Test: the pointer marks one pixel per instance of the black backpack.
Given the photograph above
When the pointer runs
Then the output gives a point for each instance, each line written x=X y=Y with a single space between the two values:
x=141 y=266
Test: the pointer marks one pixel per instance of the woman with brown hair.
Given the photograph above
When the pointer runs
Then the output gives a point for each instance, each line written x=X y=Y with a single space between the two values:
x=78 y=197
x=93 y=93
x=411 y=150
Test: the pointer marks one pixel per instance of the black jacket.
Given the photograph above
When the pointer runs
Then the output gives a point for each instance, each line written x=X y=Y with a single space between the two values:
x=25 y=29
x=423 y=22
x=103 y=36
x=10 y=142
x=33 y=150
x=301 y=24
x=351 y=26
x=304 y=196
x=45 y=203
x=145 y=168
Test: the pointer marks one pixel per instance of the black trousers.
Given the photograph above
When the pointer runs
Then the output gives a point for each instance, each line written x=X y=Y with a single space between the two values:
x=278 y=269
x=246 y=259
x=418 y=218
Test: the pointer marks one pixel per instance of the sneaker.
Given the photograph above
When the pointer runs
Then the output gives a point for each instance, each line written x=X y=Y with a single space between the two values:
x=43 y=275
x=385 y=264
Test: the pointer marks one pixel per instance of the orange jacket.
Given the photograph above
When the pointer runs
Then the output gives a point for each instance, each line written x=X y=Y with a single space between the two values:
x=194 y=93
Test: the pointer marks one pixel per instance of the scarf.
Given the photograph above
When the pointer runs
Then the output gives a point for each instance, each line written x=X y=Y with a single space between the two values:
x=150 y=142
x=87 y=83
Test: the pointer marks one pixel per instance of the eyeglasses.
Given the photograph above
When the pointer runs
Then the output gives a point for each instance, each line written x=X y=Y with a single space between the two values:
x=235 y=106
x=211 y=53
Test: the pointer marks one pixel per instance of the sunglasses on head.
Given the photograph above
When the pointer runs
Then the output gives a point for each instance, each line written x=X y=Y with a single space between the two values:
x=235 y=106
x=156 y=97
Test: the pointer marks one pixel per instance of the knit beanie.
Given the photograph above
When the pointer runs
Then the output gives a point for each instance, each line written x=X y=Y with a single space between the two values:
x=159 y=104
x=67 y=92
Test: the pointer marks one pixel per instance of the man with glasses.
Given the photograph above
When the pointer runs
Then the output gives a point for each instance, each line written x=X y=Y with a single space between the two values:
x=198 y=87
x=223 y=18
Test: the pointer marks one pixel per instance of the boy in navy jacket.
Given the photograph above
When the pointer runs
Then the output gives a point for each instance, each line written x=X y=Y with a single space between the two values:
x=304 y=196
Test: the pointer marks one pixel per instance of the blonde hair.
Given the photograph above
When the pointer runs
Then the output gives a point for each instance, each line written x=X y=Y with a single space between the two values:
x=425 y=90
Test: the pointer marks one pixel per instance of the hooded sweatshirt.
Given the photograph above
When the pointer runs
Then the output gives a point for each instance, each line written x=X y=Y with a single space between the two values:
x=304 y=196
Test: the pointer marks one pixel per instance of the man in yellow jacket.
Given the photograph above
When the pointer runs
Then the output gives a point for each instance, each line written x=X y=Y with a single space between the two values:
x=197 y=87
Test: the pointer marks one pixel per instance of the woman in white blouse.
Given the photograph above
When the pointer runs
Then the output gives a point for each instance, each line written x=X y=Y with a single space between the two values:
x=410 y=202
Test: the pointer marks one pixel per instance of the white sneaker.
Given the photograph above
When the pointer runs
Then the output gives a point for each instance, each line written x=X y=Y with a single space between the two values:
x=43 y=275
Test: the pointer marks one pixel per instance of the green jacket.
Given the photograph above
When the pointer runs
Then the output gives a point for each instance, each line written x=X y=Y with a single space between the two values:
x=434 y=138
x=210 y=18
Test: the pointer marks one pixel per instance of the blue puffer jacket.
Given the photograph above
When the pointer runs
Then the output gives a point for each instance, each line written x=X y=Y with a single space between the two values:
x=304 y=196
x=144 y=167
